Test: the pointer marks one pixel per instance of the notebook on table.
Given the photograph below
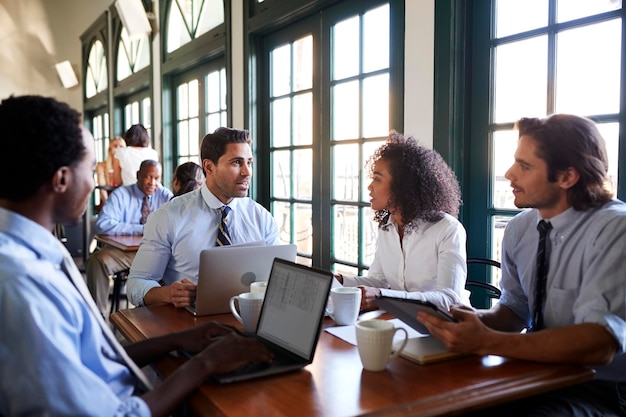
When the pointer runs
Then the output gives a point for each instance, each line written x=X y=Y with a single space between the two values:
x=228 y=271
x=424 y=348
x=290 y=321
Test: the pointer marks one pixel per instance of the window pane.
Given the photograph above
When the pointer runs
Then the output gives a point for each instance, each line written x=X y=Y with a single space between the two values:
x=282 y=215
x=346 y=233
x=345 y=111
x=368 y=151
x=281 y=70
x=194 y=101
x=504 y=146
x=303 y=119
x=370 y=233
x=214 y=98
x=281 y=122
x=376 y=39
x=211 y=16
x=183 y=101
x=281 y=180
x=303 y=170
x=588 y=69
x=303 y=228
x=574 y=9
x=346 y=172
x=345 y=41
x=497 y=232
x=521 y=79
x=177 y=33
x=183 y=138
x=376 y=106
x=194 y=137
x=303 y=63
x=519 y=16
x=610 y=133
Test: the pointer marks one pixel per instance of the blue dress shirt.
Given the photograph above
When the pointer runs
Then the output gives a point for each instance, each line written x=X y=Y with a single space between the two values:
x=54 y=358
x=175 y=235
x=586 y=280
x=121 y=213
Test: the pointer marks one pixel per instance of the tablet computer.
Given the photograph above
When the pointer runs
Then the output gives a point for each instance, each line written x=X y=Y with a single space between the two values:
x=406 y=310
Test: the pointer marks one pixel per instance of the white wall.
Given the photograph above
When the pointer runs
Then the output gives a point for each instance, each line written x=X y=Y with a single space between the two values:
x=37 y=34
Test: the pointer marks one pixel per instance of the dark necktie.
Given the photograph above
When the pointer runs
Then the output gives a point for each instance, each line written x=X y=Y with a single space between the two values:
x=543 y=261
x=145 y=210
x=69 y=268
x=223 y=237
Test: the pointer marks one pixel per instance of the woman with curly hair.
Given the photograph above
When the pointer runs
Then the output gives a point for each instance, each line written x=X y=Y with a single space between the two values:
x=420 y=251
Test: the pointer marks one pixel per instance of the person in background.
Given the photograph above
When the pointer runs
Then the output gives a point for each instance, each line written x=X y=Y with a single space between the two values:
x=188 y=176
x=165 y=269
x=567 y=289
x=57 y=355
x=420 y=250
x=127 y=160
x=124 y=213
x=104 y=169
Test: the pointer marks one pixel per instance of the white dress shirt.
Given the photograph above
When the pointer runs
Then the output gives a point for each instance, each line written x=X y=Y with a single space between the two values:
x=430 y=265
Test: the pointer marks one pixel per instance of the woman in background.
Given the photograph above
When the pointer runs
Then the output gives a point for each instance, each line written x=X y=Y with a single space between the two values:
x=420 y=251
x=104 y=169
x=187 y=177
x=127 y=160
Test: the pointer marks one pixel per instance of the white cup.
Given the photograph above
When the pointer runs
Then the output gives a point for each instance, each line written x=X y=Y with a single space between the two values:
x=346 y=303
x=258 y=286
x=250 y=304
x=374 y=341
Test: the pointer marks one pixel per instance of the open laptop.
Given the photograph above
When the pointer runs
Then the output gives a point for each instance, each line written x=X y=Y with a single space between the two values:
x=290 y=321
x=228 y=271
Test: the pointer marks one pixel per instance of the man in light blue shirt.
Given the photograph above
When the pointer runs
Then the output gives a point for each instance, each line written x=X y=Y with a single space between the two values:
x=124 y=213
x=57 y=355
x=165 y=269
x=578 y=315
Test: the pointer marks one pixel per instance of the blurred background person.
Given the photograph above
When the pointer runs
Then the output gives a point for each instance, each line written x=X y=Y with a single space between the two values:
x=127 y=160
x=188 y=176
x=104 y=169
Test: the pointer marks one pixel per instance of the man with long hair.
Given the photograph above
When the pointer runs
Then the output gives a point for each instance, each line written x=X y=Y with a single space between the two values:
x=563 y=272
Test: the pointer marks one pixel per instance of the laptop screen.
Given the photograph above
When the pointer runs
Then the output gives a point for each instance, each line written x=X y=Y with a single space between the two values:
x=294 y=305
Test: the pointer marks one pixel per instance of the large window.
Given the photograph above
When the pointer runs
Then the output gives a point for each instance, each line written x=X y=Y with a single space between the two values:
x=536 y=58
x=328 y=106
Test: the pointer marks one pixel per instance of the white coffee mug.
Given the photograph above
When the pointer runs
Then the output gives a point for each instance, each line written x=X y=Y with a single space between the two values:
x=346 y=304
x=375 y=343
x=250 y=304
x=258 y=286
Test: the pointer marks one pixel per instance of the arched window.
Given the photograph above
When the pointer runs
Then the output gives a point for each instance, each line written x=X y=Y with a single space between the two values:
x=132 y=54
x=96 y=73
x=188 y=19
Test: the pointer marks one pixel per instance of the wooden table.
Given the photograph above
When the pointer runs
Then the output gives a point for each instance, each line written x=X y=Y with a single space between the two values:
x=335 y=384
x=127 y=243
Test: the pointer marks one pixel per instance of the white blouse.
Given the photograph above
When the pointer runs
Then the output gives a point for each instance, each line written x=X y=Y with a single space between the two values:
x=429 y=266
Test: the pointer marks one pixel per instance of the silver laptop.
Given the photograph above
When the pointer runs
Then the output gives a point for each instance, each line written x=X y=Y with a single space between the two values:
x=228 y=271
x=290 y=321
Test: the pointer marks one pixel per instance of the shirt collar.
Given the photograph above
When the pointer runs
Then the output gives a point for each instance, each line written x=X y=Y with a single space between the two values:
x=212 y=201
x=40 y=240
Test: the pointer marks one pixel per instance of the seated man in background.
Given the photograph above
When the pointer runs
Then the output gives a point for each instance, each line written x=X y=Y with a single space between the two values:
x=563 y=272
x=124 y=213
x=165 y=269
x=57 y=355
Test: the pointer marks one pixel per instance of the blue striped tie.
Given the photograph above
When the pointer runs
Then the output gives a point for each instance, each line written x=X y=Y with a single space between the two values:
x=542 y=273
x=223 y=237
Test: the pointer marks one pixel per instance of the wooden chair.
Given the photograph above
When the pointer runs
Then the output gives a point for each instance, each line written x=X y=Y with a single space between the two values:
x=119 y=280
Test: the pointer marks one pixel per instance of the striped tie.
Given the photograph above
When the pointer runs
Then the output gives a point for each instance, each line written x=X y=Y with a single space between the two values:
x=542 y=273
x=223 y=238
x=145 y=210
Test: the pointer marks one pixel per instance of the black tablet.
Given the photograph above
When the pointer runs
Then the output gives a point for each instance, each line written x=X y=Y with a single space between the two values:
x=406 y=310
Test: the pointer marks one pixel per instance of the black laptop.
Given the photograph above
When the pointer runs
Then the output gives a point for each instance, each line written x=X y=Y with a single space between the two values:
x=290 y=321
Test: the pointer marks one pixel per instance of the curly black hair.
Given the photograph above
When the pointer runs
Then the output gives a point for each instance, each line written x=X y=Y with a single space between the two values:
x=38 y=135
x=423 y=186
